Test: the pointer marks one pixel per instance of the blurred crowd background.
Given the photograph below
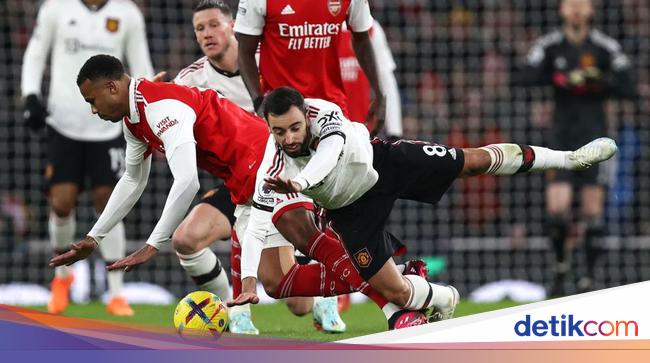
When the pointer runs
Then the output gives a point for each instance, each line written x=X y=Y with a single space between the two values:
x=458 y=66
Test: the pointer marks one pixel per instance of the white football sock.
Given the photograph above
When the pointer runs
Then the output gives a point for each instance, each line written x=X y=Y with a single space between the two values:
x=390 y=309
x=113 y=248
x=61 y=230
x=205 y=269
x=508 y=159
x=425 y=294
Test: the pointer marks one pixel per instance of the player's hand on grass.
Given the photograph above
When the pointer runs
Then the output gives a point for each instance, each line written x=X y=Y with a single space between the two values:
x=34 y=112
x=138 y=257
x=283 y=186
x=243 y=299
x=159 y=77
x=377 y=114
x=78 y=251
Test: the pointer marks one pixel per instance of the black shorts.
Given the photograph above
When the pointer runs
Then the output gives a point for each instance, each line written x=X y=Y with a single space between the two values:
x=71 y=161
x=593 y=176
x=220 y=198
x=411 y=170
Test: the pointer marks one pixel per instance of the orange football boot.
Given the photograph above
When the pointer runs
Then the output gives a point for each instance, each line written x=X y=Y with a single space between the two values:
x=59 y=296
x=119 y=307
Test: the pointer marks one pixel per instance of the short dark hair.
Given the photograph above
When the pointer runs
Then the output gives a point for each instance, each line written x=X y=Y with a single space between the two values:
x=214 y=4
x=101 y=66
x=280 y=100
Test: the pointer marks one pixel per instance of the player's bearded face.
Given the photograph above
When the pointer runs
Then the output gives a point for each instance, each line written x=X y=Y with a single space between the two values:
x=104 y=99
x=213 y=31
x=291 y=131
x=576 y=13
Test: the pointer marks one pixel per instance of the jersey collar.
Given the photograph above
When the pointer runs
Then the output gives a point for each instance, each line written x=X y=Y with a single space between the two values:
x=134 y=116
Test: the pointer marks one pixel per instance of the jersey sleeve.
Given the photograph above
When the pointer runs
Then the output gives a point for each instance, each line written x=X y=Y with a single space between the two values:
x=328 y=122
x=328 y=125
x=135 y=149
x=250 y=18
x=173 y=122
x=538 y=70
x=137 y=49
x=38 y=48
x=359 y=18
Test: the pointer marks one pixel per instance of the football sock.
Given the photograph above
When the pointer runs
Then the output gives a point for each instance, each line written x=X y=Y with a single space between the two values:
x=425 y=294
x=315 y=280
x=235 y=272
x=61 y=230
x=205 y=269
x=235 y=265
x=509 y=159
x=113 y=248
x=331 y=253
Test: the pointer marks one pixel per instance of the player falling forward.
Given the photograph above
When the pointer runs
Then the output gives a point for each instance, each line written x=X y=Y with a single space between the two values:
x=330 y=159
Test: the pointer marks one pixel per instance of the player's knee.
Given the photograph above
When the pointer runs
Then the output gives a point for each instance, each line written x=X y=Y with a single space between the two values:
x=299 y=306
x=297 y=226
x=271 y=285
x=477 y=162
x=62 y=207
x=185 y=240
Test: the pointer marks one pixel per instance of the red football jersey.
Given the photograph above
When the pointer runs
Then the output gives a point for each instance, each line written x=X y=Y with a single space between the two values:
x=300 y=42
x=230 y=142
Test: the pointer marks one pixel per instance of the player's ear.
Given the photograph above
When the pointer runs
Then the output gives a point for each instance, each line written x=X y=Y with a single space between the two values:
x=112 y=86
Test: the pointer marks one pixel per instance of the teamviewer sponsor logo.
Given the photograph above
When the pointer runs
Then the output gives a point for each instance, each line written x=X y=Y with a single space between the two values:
x=567 y=325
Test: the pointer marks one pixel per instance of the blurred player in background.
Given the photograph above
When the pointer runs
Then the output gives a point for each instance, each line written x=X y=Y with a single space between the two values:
x=585 y=68
x=213 y=218
x=299 y=45
x=357 y=88
x=80 y=145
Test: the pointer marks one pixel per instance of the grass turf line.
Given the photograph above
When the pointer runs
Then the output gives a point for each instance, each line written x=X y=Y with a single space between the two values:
x=274 y=319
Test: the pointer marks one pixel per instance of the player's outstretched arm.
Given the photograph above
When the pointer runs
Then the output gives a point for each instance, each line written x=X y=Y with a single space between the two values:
x=182 y=163
x=78 y=251
x=248 y=294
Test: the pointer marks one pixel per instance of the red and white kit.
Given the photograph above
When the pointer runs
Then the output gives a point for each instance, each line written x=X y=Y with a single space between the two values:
x=297 y=32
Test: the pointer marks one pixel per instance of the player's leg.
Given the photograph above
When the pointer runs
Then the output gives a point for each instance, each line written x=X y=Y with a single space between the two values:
x=559 y=197
x=592 y=202
x=113 y=248
x=64 y=178
x=510 y=159
x=104 y=163
x=205 y=224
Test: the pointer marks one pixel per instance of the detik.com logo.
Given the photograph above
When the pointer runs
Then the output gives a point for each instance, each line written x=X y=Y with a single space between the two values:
x=569 y=326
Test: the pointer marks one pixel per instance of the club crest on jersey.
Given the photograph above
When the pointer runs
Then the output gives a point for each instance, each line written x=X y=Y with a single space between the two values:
x=334 y=7
x=112 y=24
x=363 y=258
x=587 y=60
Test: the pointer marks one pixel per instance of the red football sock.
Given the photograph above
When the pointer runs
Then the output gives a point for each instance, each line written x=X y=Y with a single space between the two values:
x=235 y=265
x=311 y=280
x=331 y=253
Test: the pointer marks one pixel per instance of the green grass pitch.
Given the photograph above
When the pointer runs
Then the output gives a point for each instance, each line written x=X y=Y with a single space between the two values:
x=275 y=319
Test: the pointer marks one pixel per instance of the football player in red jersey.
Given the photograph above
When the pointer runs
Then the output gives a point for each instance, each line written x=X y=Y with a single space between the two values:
x=299 y=45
